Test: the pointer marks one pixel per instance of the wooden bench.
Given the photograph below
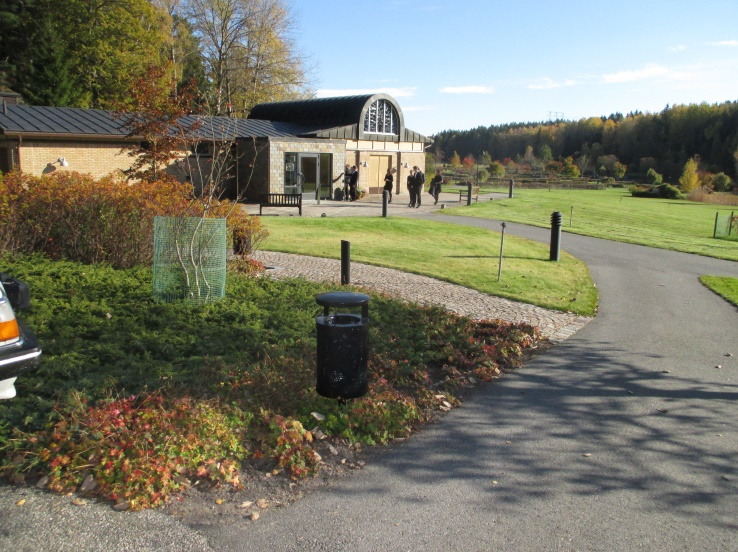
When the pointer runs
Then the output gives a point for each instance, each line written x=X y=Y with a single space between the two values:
x=464 y=193
x=280 y=200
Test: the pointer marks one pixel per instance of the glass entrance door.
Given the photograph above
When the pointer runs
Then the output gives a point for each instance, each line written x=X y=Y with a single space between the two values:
x=309 y=168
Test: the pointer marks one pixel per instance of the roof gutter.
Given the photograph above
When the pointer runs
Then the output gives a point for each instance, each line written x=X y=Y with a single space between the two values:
x=65 y=136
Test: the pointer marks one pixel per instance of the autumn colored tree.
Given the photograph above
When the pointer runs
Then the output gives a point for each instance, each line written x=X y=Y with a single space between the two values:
x=153 y=118
x=496 y=169
x=455 y=161
x=570 y=169
x=690 y=179
x=619 y=169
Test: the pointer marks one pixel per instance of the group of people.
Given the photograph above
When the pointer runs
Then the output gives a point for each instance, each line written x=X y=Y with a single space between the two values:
x=415 y=182
x=350 y=176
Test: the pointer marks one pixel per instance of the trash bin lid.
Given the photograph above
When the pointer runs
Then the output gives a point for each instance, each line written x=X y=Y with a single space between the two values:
x=342 y=299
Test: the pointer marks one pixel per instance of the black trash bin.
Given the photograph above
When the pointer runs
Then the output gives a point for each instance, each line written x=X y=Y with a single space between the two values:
x=343 y=349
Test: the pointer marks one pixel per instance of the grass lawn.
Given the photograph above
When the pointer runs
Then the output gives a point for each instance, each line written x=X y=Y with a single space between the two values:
x=462 y=255
x=723 y=286
x=614 y=215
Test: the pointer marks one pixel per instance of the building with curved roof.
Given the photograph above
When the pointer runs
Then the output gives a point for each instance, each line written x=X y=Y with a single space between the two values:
x=299 y=146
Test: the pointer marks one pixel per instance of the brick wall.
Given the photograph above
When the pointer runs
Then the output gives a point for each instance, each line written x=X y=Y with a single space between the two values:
x=96 y=158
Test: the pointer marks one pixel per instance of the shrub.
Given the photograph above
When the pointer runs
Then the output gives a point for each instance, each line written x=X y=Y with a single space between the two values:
x=72 y=216
x=722 y=183
x=652 y=177
x=667 y=191
x=664 y=191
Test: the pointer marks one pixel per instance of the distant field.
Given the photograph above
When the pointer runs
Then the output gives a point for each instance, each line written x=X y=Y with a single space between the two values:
x=613 y=214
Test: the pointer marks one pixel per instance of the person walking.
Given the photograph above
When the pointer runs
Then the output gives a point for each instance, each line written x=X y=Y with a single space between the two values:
x=411 y=187
x=353 y=183
x=419 y=179
x=388 y=180
x=435 y=185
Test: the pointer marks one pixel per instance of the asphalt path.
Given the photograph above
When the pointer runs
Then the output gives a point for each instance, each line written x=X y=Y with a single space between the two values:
x=623 y=437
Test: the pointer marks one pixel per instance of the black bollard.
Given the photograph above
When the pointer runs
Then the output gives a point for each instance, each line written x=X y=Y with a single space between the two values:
x=556 y=218
x=385 y=197
x=345 y=262
x=512 y=185
x=469 y=193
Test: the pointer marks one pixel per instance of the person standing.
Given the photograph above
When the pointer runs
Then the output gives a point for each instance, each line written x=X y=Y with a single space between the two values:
x=419 y=181
x=388 y=180
x=411 y=187
x=353 y=183
x=346 y=174
x=435 y=185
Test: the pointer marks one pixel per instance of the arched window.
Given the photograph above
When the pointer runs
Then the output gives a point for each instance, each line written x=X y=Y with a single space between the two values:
x=381 y=118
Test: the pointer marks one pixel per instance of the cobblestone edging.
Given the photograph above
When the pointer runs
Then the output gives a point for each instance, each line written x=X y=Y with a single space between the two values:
x=555 y=325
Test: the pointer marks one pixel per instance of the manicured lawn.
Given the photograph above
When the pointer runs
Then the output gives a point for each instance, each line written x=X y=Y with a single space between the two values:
x=613 y=214
x=462 y=255
x=723 y=286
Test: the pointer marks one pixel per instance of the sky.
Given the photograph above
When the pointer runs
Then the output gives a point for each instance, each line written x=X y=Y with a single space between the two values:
x=462 y=64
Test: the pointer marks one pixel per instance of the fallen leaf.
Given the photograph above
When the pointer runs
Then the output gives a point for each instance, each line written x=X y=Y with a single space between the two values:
x=494 y=482
x=254 y=516
x=244 y=505
x=21 y=502
x=587 y=454
x=219 y=501
x=79 y=502
x=318 y=416
x=262 y=503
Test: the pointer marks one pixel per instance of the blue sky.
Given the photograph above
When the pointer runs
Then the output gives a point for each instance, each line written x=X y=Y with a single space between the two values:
x=468 y=63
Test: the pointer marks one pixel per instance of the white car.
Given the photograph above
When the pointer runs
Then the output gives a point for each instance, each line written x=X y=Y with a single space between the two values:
x=19 y=350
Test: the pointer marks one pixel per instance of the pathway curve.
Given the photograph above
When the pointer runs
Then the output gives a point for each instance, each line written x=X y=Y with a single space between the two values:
x=423 y=290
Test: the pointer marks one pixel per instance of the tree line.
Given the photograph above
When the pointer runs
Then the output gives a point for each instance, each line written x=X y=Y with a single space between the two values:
x=90 y=53
x=663 y=142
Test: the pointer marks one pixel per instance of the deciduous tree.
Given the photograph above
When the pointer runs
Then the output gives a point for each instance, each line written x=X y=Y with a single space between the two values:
x=689 y=179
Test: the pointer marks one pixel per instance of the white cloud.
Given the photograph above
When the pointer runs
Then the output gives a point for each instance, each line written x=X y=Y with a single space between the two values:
x=405 y=92
x=728 y=43
x=677 y=48
x=547 y=83
x=648 y=72
x=467 y=90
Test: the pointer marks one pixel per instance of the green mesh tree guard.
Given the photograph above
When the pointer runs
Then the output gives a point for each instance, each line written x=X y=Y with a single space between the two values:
x=726 y=226
x=189 y=259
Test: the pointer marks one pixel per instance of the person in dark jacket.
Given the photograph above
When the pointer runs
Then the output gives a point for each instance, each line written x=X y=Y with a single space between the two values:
x=388 y=180
x=419 y=181
x=353 y=183
x=411 y=187
x=435 y=185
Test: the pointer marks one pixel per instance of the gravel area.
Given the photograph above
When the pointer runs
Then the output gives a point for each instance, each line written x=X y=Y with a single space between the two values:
x=555 y=325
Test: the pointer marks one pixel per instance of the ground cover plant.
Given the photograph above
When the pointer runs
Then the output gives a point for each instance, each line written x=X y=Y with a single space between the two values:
x=614 y=214
x=462 y=255
x=136 y=399
x=724 y=286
